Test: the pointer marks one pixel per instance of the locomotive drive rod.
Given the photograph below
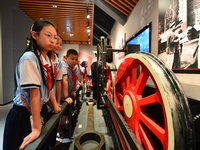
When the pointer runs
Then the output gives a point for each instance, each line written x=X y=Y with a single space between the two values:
x=90 y=134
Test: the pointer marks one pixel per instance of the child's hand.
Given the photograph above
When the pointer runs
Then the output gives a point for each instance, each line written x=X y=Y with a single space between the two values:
x=69 y=100
x=57 y=109
x=30 y=138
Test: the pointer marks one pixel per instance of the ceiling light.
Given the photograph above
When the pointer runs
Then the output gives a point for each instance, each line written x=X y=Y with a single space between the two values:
x=88 y=30
x=68 y=29
x=71 y=34
x=54 y=6
x=88 y=16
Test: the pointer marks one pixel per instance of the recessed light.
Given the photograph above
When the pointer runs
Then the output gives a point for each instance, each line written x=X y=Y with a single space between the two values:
x=88 y=16
x=71 y=34
x=54 y=6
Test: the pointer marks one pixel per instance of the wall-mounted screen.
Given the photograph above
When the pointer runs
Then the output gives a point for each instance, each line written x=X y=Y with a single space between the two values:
x=142 y=38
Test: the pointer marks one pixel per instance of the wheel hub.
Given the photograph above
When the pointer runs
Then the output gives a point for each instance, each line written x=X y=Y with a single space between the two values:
x=128 y=107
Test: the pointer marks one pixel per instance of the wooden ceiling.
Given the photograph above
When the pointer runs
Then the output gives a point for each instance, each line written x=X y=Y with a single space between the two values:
x=70 y=16
x=124 y=6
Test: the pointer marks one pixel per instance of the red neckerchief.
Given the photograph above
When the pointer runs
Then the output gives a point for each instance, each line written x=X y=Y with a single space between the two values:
x=49 y=78
x=74 y=76
x=55 y=71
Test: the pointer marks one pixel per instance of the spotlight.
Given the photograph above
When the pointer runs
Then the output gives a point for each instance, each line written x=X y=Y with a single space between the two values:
x=54 y=6
x=88 y=16
x=71 y=34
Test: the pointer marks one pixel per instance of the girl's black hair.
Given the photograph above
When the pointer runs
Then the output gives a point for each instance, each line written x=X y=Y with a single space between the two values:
x=60 y=37
x=34 y=47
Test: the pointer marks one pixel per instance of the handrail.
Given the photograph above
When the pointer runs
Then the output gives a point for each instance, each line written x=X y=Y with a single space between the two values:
x=46 y=130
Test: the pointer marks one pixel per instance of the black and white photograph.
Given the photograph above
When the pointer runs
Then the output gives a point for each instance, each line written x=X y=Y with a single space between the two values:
x=179 y=33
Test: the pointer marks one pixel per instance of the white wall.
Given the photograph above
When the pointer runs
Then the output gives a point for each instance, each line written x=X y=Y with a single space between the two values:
x=88 y=50
x=6 y=53
x=66 y=47
x=1 y=84
x=15 y=27
x=146 y=11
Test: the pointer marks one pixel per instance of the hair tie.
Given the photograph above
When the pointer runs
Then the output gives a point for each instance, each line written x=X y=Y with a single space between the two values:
x=31 y=28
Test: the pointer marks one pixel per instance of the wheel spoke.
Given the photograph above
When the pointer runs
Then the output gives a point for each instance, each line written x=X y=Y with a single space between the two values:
x=111 y=88
x=123 y=85
x=145 y=138
x=149 y=100
x=133 y=76
x=118 y=100
x=141 y=82
x=153 y=126
x=120 y=96
x=128 y=80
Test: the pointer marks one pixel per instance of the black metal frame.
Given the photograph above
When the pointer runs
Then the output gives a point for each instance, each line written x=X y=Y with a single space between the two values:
x=47 y=129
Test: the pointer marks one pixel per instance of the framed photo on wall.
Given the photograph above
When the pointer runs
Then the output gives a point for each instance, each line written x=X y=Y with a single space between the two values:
x=179 y=35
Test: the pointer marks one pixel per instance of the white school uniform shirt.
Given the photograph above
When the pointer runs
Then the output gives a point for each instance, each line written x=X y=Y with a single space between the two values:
x=60 y=68
x=28 y=75
x=64 y=65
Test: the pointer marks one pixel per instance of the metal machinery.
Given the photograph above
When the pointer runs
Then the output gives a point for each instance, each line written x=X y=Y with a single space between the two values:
x=147 y=106
x=147 y=103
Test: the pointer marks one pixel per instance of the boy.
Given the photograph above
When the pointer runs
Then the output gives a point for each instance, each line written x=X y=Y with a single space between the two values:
x=73 y=76
x=73 y=72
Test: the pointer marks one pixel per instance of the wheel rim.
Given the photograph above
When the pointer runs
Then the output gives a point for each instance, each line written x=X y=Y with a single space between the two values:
x=153 y=130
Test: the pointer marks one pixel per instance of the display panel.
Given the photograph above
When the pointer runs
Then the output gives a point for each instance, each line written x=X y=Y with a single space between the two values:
x=142 y=38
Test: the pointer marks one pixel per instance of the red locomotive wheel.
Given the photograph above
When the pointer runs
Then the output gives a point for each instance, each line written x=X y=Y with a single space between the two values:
x=159 y=117
x=109 y=82
x=110 y=79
